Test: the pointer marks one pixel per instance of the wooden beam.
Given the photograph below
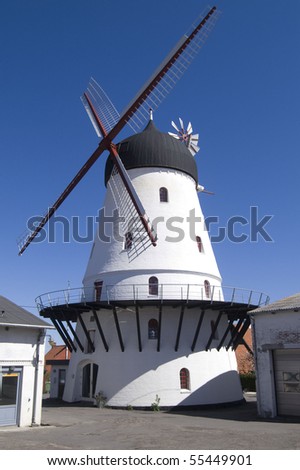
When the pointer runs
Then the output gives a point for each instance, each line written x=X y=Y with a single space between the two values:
x=213 y=331
x=61 y=333
x=138 y=327
x=234 y=333
x=118 y=329
x=100 y=331
x=90 y=342
x=179 y=327
x=240 y=335
x=75 y=335
x=67 y=334
x=229 y=327
x=159 y=328
x=197 y=330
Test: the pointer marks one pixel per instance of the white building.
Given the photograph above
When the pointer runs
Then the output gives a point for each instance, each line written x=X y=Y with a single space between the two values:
x=276 y=337
x=22 y=337
x=153 y=321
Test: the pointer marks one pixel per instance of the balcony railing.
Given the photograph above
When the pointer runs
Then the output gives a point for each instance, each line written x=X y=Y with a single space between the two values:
x=141 y=292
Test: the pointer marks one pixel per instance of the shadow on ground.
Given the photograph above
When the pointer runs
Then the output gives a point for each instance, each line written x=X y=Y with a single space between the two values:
x=245 y=412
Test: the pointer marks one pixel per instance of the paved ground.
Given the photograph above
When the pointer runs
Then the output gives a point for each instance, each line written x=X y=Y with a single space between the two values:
x=81 y=427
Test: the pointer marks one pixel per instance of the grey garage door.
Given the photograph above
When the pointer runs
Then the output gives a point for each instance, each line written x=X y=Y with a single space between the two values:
x=287 y=381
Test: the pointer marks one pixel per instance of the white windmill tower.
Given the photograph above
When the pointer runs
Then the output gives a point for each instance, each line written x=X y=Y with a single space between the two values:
x=151 y=317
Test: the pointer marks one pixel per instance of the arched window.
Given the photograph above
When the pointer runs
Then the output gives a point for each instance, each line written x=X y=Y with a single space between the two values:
x=128 y=241
x=163 y=195
x=153 y=285
x=207 y=288
x=185 y=379
x=199 y=244
x=98 y=290
x=152 y=329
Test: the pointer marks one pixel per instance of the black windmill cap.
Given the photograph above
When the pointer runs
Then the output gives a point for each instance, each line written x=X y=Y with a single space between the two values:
x=152 y=148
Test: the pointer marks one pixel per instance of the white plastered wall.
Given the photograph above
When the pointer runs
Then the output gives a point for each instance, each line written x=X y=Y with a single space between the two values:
x=18 y=347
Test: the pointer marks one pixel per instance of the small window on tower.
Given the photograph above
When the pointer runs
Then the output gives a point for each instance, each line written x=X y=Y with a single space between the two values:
x=185 y=379
x=207 y=289
x=163 y=195
x=199 y=244
x=152 y=329
x=153 y=285
x=128 y=241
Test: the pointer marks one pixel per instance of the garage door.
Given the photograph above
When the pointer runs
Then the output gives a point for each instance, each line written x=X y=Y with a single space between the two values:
x=287 y=381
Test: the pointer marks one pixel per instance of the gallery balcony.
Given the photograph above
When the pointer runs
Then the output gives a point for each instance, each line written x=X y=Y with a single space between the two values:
x=139 y=293
x=67 y=306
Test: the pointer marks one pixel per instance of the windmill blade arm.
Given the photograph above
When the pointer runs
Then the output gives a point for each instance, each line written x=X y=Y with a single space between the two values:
x=169 y=72
x=78 y=177
x=133 y=195
x=91 y=115
x=99 y=108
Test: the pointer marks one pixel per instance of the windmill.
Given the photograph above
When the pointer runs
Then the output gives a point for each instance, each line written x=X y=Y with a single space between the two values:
x=146 y=325
x=189 y=139
x=108 y=123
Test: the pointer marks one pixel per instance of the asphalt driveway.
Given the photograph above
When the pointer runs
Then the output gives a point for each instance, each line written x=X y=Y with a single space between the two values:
x=85 y=427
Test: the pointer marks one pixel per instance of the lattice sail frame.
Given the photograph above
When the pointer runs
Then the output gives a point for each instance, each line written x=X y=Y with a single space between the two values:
x=129 y=221
x=175 y=70
x=151 y=95
x=106 y=111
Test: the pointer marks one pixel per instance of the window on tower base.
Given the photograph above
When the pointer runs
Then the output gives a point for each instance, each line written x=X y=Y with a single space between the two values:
x=163 y=195
x=185 y=379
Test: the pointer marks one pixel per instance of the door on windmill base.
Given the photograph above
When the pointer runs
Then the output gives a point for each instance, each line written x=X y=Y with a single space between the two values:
x=287 y=381
x=89 y=380
x=10 y=380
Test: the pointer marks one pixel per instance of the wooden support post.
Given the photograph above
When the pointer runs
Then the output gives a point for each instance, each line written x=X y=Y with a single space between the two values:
x=198 y=330
x=138 y=327
x=90 y=342
x=75 y=335
x=100 y=331
x=179 y=327
x=118 y=329
x=213 y=331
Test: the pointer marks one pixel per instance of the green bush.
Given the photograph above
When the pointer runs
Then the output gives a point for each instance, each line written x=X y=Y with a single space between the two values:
x=248 y=382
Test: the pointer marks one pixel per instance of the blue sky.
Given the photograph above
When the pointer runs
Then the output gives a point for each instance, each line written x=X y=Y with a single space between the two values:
x=241 y=94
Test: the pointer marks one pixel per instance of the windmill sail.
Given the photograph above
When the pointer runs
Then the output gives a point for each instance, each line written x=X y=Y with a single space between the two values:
x=171 y=69
x=151 y=95
x=104 y=108
x=131 y=223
